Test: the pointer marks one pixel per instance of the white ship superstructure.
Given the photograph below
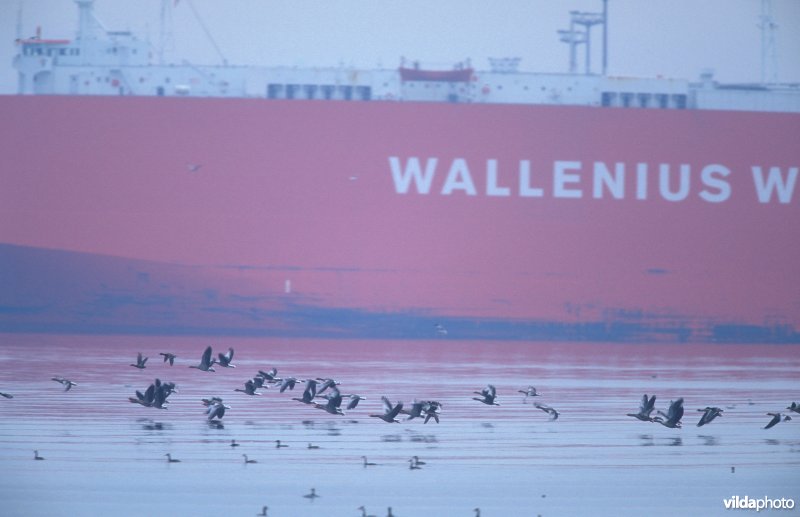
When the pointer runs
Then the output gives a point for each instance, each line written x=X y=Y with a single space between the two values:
x=104 y=62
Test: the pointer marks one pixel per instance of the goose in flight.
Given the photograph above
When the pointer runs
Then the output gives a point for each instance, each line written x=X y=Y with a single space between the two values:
x=489 y=393
x=249 y=388
x=140 y=360
x=225 y=359
x=68 y=384
x=287 y=383
x=216 y=410
x=530 y=392
x=6 y=395
x=354 y=400
x=645 y=408
x=673 y=415
x=794 y=406
x=334 y=403
x=390 y=412
x=168 y=357
x=206 y=362
x=325 y=384
x=776 y=419
x=309 y=393
x=709 y=414
x=547 y=409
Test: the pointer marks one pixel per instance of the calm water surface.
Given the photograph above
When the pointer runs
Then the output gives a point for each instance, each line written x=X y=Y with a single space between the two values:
x=106 y=456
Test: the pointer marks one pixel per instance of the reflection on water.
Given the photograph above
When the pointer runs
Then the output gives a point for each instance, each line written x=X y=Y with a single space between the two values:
x=504 y=459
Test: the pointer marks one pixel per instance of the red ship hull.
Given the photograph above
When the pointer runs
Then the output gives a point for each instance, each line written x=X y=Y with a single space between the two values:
x=584 y=221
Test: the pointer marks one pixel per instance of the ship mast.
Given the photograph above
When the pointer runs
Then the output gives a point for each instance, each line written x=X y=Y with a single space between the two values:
x=769 y=52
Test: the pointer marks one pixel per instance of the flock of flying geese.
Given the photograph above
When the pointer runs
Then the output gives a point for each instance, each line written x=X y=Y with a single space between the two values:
x=672 y=418
x=318 y=389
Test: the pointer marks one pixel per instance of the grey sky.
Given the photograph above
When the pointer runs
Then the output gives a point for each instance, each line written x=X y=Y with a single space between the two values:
x=647 y=38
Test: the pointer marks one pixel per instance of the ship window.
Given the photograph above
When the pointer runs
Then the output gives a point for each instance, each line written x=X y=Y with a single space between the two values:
x=310 y=90
x=327 y=91
x=364 y=92
x=680 y=101
x=607 y=99
x=626 y=98
x=662 y=100
x=644 y=99
x=274 y=91
x=291 y=90
x=347 y=92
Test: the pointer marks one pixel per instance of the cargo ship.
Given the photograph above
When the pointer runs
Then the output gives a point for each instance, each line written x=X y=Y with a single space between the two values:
x=410 y=203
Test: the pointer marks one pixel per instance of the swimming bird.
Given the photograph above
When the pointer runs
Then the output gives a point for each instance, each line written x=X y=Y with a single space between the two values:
x=68 y=384
x=170 y=459
x=225 y=359
x=709 y=414
x=249 y=388
x=364 y=512
x=412 y=465
x=140 y=362
x=6 y=395
x=390 y=412
x=206 y=363
x=673 y=415
x=234 y=444
x=489 y=393
x=313 y=446
x=477 y=512
x=36 y=455
x=547 y=409
x=367 y=463
x=246 y=460
x=263 y=511
x=645 y=408
x=794 y=406
x=168 y=357
x=389 y=512
x=776 y=418
x=278 y=444
x=313 y=495
x=417 y=461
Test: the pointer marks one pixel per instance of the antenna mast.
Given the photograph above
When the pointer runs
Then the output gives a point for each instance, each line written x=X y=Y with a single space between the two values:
x=769 y=51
